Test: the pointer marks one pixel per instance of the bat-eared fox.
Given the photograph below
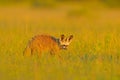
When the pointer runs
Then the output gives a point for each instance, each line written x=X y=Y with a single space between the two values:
x=42 y=43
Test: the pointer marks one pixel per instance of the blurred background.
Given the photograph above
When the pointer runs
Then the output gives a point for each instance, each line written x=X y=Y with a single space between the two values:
x=50 y=2
x=65 y=13
x=94 y=14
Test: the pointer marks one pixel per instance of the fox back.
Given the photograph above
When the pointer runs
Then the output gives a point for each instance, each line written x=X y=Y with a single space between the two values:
x=42 y=43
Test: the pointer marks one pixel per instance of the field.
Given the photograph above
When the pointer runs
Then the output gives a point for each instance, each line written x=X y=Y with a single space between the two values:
x=94 y=53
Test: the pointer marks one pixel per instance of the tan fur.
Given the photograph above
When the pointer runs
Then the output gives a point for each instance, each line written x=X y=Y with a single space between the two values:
x=43 y=43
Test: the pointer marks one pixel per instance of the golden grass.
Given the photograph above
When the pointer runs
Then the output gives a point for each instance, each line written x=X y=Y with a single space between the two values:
x=94 y=53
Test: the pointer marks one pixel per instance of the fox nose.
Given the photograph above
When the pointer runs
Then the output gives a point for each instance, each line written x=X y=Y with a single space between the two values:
x=65 y=47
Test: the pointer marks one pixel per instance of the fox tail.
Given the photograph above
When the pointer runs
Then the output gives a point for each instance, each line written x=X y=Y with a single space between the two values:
x=27 y=51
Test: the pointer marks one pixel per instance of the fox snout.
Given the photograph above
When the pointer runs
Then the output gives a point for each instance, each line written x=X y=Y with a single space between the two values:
x=65 y=47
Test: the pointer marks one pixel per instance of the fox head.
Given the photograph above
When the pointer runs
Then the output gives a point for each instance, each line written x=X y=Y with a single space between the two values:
x=65 y=41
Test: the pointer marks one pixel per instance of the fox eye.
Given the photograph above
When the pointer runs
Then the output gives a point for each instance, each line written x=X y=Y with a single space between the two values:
x=65 y=45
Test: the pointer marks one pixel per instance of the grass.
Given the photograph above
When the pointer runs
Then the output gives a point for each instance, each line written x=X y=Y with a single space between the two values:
x=94 y=53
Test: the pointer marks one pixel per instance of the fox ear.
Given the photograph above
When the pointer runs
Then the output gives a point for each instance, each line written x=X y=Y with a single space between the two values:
x=62 y=37
x=71 y=36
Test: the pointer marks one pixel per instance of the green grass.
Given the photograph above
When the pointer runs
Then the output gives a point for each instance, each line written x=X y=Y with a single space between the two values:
x=94 y=53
